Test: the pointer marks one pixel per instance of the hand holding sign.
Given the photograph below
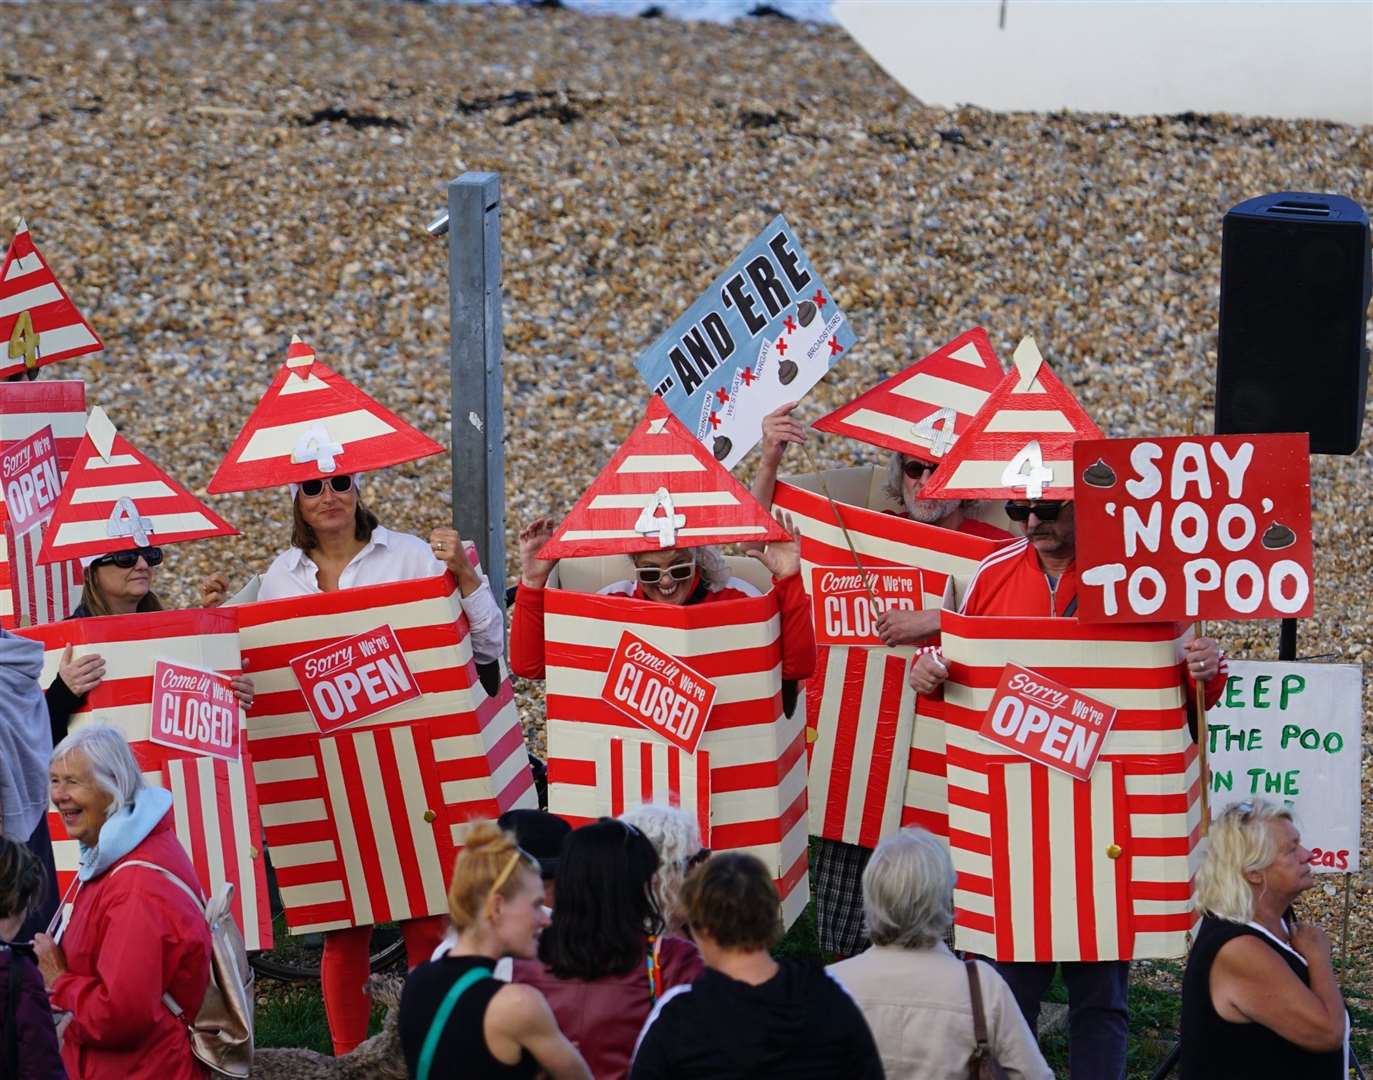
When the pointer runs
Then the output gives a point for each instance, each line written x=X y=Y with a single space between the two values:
x=534 y=571
x=82 y=674
x=781 y=557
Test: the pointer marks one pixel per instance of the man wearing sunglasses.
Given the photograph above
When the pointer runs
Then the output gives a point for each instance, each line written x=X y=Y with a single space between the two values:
x=1037 y=576
x=686 y=575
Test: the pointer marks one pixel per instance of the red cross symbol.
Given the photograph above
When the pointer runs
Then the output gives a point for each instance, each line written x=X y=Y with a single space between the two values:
x=714 y=421
x=835 y=347
x=790 y=323
x=748 y=376
x=782 y=346
x=819 y=298
x=721 y=396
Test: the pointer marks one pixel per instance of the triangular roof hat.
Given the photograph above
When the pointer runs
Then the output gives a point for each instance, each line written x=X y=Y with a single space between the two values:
x=116 y=499
x=1020 y=445
x=37 y=318
x=921 y=411
x=661 y=489
x=312 y=423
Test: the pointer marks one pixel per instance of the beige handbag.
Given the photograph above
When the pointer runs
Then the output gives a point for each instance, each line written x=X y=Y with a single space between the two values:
x=222 y=1031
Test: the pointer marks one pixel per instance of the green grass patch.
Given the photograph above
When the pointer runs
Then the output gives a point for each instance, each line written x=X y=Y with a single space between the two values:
x=290 y=1015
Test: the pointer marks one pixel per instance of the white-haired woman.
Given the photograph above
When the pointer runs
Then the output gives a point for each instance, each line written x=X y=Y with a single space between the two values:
x=915 y=994
x=135 y=937
x=1259 y=997
x=676 y=837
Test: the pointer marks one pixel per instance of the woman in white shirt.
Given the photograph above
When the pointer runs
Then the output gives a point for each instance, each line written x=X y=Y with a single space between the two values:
x=337 y=543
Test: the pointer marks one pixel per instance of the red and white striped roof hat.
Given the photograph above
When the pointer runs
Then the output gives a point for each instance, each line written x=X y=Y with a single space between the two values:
x=662 y=489
x=37 y=317
x=921 y=411
x=313 y=423
x=116 y=499
x=1020 y=444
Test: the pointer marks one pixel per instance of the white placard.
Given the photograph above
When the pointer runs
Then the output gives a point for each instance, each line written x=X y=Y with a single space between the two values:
x=1292 y=733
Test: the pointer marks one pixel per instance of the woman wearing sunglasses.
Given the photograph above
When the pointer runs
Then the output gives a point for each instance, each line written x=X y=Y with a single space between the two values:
x=338 y=543
x=686 y=575
x=118 y=583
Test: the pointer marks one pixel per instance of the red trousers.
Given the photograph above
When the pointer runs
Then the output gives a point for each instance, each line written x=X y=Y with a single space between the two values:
x=343 y=970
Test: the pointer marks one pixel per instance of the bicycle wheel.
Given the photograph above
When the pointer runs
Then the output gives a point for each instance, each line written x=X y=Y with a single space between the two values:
x=296 y=957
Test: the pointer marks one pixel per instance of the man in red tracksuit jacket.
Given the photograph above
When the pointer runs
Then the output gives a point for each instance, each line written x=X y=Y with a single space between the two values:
x=1036 y=577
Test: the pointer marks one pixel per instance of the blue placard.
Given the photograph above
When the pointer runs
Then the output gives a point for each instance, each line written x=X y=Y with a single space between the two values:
x=763 y=334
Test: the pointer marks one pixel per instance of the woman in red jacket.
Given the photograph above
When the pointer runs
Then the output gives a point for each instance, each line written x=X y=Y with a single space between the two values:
x=603 y=961
x=134 y=937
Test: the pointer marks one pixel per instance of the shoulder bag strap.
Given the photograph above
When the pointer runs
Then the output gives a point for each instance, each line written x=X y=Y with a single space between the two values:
x=167 y=999
x=436 y=1026
x=979 y=1017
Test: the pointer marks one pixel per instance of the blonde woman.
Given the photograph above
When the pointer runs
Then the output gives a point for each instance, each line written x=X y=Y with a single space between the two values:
x=453 y=1012
x=676 y=838
x=1259 y=997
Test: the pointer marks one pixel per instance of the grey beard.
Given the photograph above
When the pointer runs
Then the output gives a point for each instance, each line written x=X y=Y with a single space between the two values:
x=931 y=511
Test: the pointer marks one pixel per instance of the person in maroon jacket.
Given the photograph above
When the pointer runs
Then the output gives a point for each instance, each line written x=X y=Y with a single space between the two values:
x=135 y=938
x=28 y=1037
x=603 y=961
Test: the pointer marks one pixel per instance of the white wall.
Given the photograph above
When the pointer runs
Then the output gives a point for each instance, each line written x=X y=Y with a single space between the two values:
x=1285 y=59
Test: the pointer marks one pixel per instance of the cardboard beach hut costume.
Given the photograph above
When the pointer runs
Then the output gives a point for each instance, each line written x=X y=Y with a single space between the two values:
x=37 y=318
x=875 y=763
x=115 y=498
x=41 y=426
x=1080 y=846
x=373 y=742
x=723 y=747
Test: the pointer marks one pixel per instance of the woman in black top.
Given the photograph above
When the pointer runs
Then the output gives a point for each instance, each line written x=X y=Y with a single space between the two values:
x=1259 y=997
x=455 y=1017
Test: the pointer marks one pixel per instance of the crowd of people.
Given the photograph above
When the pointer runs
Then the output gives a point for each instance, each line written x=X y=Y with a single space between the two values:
x=622 y=948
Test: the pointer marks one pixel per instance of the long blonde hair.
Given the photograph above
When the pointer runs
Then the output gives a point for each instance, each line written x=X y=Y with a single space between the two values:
x=485 y=868
x=1240 y=842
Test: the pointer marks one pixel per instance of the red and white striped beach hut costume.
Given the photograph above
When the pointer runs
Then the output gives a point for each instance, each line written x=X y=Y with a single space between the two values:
x=30 y=593
x=214 y=804
x=875 y=765
x=746 y=781
x=39 y=324
x=1049 y=867
x=363 y=824
x=876 y=748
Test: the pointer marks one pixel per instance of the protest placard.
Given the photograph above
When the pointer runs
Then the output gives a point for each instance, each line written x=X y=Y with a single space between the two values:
x=355 y=678
x=763 y=333
x=1193 y=527
x=1047 y=722
x=659 y=691
x=846 y=606
x=32 y=482
x=1292 y=733
x=194 y=710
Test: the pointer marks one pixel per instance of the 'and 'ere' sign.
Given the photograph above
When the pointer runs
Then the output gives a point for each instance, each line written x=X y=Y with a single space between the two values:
x=1193 y=527
x=659 y=691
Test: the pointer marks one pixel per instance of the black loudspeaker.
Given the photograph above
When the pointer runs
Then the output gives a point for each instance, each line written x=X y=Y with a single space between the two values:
x=1295 y=281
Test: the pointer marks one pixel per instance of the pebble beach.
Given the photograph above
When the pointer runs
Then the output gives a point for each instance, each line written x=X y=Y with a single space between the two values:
x=208 y=179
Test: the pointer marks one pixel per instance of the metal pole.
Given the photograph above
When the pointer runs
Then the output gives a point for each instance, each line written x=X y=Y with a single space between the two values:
x=478 y=418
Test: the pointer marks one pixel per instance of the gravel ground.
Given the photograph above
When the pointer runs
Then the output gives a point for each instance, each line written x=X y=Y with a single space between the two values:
x=207 y=180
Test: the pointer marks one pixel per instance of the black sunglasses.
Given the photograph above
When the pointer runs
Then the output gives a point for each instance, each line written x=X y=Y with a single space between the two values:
x=1045 y=511
x=914 y=468
x=313 y=489
x=651 y=575
x=127 y=560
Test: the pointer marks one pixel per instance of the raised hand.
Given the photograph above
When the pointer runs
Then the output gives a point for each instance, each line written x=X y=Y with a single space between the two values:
x=533 y=570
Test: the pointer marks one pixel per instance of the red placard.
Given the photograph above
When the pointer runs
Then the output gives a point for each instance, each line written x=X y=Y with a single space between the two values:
x=1047 y=722
x=32 y=482
x=1193 y=527
x=194 y=710
x=845 y=613
x=658 y=691
x=355 y=678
